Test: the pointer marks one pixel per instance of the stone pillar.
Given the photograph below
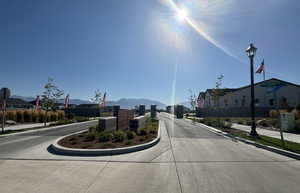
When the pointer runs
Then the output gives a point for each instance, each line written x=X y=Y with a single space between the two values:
x=153 y=111
x=142 y=110
x=179 y=111
x=116 y=110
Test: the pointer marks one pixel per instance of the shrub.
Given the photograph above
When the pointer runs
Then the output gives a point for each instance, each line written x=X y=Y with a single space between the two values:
x=52 y=116
x=143 y=131
x=27 y=116
x=89 y=137
x=296 y=114
x=273 y=114
x=130 y=134
x=20 y=116
x=81 y=119
x=297 y=126
x=297 y=107
x=42 y=116
x=70 y=116
x=11 y=115
x=35 y=116
x=92 y=129
x=61 y=115
x=119 y=136
x=105 y=137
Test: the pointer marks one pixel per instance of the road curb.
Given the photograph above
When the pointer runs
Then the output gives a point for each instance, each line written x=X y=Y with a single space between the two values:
x=33 y=130
x=58 y=149
x=266 y=147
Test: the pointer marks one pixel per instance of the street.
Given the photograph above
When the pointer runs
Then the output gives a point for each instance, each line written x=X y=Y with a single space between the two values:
x=188 y=159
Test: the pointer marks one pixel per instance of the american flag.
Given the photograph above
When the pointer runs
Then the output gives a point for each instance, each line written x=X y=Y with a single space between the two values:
x=37 y=102
x=261 y=67
x=67 y=101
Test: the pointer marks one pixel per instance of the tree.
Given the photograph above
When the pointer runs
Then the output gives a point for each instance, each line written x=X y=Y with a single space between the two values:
x=97 y=99
x=192 y=100
x=50 y=97
x=216 y=90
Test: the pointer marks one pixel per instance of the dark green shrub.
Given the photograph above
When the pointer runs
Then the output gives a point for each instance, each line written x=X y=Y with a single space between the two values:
x=119 y=136
x=143 y=131
x=130 y=134
x=53 y=116
x=70 y=116
x=105 y=137
x=297 y=126
x=297 y=107
x=142 y=138
x=81 y=119
x=92 y=129
x=89 y=137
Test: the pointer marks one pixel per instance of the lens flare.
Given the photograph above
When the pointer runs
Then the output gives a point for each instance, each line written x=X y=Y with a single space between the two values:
x=182 y=15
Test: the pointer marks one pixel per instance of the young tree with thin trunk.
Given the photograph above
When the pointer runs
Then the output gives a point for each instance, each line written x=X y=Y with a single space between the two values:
x=50 y=97
x=97 y=99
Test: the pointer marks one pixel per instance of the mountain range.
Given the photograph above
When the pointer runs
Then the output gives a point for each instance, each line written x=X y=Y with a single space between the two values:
x=124 y=102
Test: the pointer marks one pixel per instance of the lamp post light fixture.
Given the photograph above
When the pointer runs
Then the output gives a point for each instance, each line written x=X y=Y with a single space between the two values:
x=251 y=50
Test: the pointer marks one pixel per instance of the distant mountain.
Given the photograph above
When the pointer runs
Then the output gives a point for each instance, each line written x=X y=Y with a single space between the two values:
x=132 y=102
x=72 y=101
x=125 y=103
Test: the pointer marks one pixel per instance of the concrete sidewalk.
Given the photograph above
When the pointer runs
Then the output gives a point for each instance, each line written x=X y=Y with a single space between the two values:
x=24 y=126
x=276 y=134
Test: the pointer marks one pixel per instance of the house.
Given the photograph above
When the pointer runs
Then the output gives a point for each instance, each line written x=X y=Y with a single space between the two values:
x=268 y=94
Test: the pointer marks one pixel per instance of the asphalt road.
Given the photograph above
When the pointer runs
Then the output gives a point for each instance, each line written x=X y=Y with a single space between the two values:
x=188 y=159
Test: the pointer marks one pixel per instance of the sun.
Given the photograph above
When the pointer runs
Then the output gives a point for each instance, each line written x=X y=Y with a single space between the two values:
x=182 y=14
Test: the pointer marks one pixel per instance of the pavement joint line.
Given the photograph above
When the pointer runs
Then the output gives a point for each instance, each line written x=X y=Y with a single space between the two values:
x=160 y=154
x=154 y=162
x=172 y=150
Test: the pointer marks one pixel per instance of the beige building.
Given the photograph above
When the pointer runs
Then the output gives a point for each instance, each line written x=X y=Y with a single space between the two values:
x=268 y=93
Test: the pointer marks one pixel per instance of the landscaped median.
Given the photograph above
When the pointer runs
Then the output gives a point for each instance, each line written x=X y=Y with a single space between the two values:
x=290 y=149
x=93 y=143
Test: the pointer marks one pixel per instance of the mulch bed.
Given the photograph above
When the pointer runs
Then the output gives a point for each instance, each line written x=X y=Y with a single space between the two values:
x=82 y=142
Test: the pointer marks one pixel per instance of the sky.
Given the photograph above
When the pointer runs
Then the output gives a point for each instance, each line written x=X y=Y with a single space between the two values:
x=140 y=49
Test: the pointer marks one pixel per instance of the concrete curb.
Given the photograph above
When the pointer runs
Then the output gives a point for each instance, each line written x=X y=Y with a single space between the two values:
x=34 y=129
x=101 y=152
x=266 y=147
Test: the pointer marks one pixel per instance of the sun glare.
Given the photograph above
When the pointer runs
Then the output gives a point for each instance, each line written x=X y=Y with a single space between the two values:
x=182 y=15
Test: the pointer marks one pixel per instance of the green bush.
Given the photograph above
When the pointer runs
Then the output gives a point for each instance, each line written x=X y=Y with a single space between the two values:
x=143 y=131
x=92 y=128
x=81 y=119
x=273 y=114
x=130 y=134
x=297 y=126
x=119 y=136
x=105 y=137
x=297 y=107
x=35 y=117
x=89 y=137
x=70 y=116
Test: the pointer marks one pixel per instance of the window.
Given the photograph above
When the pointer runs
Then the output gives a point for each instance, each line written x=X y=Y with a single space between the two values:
x=271 y=102
x=256 y=101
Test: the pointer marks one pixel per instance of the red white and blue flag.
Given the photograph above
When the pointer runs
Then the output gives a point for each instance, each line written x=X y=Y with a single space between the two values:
x=66 y=105
x=261 y=67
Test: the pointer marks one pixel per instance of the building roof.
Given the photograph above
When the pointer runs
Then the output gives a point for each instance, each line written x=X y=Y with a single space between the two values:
x=228 y=90
x=272 y=79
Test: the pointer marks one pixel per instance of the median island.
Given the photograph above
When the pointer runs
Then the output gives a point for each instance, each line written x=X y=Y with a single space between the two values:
x=93 y=139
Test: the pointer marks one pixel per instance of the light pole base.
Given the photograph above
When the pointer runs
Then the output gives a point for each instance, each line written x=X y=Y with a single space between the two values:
x=253 y=133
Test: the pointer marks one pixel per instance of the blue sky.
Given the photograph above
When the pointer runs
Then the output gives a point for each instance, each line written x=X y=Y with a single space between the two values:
x=130 y=48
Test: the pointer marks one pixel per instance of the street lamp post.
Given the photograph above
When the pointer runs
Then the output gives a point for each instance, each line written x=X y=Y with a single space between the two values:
x=251 y=50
